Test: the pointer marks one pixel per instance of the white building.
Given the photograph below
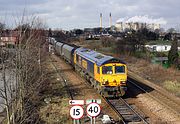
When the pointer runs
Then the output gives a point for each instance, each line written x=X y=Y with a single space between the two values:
x=139 y=22
x=158 y=48
x=120 y=26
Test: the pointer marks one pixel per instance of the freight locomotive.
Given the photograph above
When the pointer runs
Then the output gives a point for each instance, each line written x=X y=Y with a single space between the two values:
x=105 y=73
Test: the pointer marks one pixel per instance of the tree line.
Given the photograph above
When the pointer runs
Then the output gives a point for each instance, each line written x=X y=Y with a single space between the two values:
x=133 y=43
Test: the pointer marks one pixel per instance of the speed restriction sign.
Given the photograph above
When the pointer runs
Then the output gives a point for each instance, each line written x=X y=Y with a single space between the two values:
x=76 y=112
x=93 y=109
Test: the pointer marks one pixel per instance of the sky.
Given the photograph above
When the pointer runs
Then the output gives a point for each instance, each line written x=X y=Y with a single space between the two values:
x=70 y=14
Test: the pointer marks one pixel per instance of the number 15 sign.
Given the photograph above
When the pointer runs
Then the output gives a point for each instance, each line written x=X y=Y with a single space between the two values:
x=76 y=112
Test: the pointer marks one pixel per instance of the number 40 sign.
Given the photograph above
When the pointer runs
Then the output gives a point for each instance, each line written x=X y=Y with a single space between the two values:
x=93 y=109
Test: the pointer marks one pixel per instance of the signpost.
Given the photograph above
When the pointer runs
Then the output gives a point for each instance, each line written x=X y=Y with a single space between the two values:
x=76 y=102
x=93 y=109
x=76 y=112
x=88 y=101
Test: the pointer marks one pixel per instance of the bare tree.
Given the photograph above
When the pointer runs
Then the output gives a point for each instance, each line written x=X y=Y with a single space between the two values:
x=29 y=69
x=6 y=87
x=26 y=67
x=2 y=26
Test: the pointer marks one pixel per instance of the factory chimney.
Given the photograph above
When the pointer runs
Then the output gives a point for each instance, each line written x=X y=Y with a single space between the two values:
x=110 y=20
x=101 y=20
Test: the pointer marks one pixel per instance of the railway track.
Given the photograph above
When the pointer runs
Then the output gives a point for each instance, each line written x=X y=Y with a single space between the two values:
x=160 y=98
x=64 y=81
x=126 y=111
x=120 y=106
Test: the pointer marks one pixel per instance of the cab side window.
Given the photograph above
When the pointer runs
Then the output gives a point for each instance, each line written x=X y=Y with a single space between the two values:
x=77 y=57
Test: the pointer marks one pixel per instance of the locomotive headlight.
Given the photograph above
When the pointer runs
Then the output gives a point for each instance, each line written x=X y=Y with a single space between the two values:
x=123 y=82
x=105 y=82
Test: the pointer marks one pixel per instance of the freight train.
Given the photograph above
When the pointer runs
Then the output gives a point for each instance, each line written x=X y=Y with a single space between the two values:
x=105 y=73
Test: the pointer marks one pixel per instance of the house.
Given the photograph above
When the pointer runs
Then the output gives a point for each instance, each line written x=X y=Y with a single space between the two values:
x=8 y=38
x=158 y=48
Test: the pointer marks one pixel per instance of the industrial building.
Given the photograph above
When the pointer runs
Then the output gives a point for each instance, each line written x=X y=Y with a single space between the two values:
x=139 y=22
x=123 y=26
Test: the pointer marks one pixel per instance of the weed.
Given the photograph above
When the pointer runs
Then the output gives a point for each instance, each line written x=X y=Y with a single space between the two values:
x=172 y=86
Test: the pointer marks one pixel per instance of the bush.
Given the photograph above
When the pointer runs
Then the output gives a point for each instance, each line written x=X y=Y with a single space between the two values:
x=107 y=41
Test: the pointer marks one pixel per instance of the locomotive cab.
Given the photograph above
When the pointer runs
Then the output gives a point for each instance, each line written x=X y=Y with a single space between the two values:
x=113 y=79
x=114 y=75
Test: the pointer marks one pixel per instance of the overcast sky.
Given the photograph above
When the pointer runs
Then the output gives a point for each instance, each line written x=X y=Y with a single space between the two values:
x=69 y=14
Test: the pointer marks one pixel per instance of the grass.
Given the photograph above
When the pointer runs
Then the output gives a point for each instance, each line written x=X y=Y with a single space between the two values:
x=172 y=86
x=57 y=111
x=93 y=44
x=159 y=42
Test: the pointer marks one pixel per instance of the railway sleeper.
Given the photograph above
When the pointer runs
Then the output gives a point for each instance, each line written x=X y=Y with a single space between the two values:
x=77 y=69
x=91 y=81
x=82 y=73
x=87 y=77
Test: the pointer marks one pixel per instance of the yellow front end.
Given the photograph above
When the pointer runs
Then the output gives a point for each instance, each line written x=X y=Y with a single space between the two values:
x=112 y=75
x=112 y=78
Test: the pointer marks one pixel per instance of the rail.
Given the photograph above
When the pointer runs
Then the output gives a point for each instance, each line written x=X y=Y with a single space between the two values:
x=59 y=73
x=153 y=97
x=127 y=113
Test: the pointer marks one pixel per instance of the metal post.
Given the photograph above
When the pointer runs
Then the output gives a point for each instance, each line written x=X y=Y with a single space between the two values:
x=91 y=120
x=77 y=121
x=94 y=120
x=74 y=122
